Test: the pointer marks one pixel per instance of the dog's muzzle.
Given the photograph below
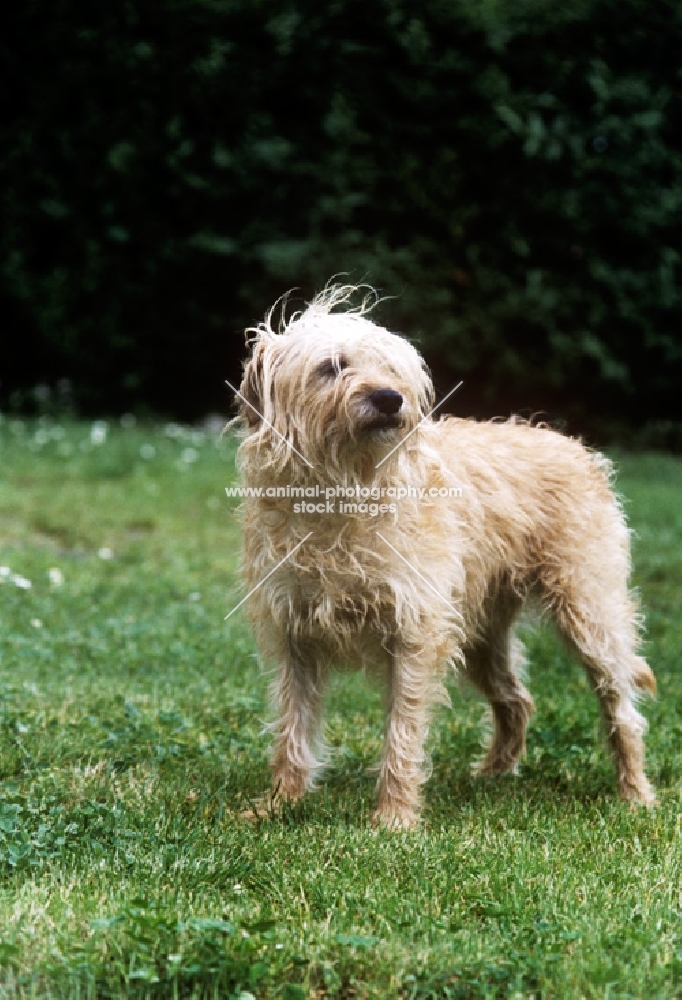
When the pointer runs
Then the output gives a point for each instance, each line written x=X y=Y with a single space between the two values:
x=386 y=403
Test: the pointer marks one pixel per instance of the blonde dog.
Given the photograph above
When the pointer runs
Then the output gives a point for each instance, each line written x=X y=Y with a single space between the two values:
x=436 y=534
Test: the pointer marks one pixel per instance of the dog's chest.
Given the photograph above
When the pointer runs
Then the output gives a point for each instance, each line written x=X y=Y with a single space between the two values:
x=332 y=598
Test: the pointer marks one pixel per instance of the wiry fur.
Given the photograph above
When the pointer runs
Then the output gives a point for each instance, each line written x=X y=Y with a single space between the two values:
x=537 y=518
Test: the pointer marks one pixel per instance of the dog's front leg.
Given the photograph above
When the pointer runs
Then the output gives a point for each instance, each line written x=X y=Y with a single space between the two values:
x=298 y=694
x=412 y=687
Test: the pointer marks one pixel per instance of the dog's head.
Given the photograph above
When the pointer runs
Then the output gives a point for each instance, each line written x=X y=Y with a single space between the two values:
x=332 y=385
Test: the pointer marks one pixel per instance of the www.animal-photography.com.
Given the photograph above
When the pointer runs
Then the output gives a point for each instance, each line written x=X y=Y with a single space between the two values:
x=339 y=510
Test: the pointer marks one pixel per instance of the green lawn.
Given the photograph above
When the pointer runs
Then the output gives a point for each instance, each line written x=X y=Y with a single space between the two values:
x=132 y=738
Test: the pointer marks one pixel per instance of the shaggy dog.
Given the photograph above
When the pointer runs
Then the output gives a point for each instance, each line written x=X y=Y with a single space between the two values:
x=336 y=407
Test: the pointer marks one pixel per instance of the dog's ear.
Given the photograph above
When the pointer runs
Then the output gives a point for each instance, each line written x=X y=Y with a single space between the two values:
x=251 y=389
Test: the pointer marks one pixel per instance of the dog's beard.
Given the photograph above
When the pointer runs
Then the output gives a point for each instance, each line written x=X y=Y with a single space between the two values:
x=364 y=428
x=383 y=422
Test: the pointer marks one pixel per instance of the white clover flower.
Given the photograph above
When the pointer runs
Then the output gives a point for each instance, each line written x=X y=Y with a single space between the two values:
x=147 y=451
x=98 y=432
x=189 y=455
x=20 y=581
x=41 y=437
x=57 y=432
x=36 y=623
x=173 y=431
x=128 y=421
x=195 y=596
x=4 y=573
x=105 y=552
x=55 y=576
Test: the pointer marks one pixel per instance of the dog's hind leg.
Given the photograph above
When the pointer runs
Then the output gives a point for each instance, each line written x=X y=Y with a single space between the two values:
x=494 y=665
x=298 y=695
x=602 y=628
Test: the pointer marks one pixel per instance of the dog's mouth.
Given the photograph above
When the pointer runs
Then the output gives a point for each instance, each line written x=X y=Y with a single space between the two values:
x=383 y=422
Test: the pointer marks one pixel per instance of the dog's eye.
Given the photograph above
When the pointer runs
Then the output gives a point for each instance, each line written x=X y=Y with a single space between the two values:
x=332 y=367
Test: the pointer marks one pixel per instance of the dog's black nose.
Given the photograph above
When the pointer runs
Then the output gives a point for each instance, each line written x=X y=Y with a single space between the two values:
x=386 y=401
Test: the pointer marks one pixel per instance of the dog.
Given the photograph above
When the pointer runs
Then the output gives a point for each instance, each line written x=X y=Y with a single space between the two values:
x=471 y=521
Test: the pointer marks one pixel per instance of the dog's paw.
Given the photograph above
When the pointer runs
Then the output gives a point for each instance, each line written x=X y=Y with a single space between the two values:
x=262 y=809
x=639 y=793
x=269 y=806
x=395 y=819
x=495 y=767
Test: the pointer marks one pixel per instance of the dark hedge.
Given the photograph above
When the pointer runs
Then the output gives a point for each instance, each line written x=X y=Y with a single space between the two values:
x=509 y=171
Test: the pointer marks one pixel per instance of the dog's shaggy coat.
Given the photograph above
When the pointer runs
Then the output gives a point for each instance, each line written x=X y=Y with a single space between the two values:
x=436 y=581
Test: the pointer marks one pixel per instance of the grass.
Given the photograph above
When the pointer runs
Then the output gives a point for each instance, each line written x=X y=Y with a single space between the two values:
x=131 y=740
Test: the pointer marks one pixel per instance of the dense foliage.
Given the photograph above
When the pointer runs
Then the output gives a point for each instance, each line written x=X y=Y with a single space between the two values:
x=509 y=171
